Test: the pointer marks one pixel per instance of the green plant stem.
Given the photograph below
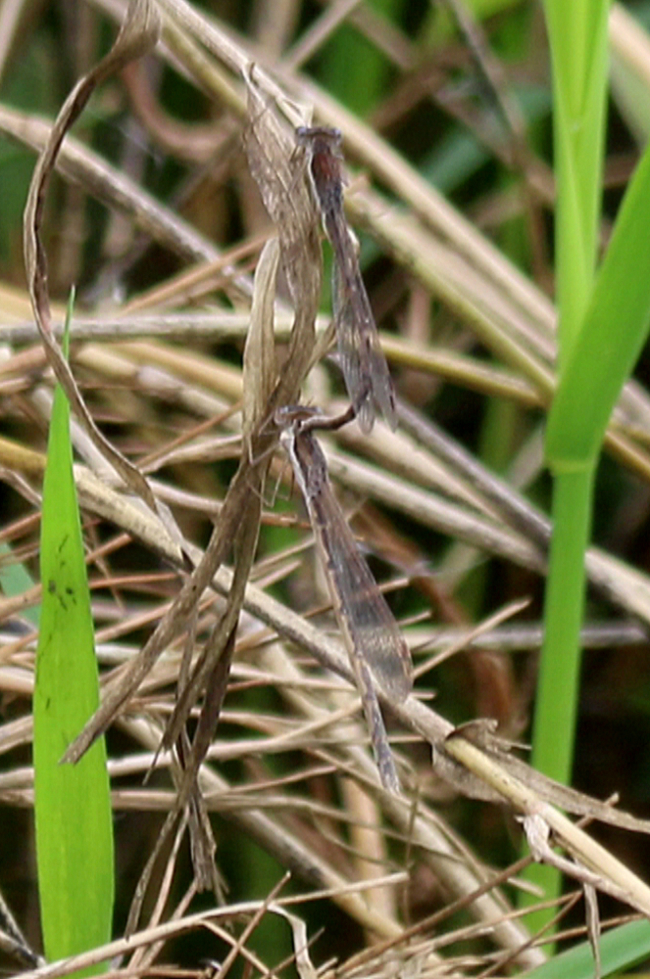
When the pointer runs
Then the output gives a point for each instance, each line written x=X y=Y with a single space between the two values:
x=578 y=39
x=559 y=674
x=560 y=667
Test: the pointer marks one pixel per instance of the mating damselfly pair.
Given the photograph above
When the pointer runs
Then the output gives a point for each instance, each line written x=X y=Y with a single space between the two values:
x=378 y=652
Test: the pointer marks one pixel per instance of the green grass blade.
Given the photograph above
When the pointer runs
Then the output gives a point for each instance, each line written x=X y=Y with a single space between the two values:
x=621 y=948
x=599 y=362
x=615 y=329
x=74 y=833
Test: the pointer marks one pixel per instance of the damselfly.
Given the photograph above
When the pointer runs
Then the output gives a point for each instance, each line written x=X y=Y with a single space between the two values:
x=364 y=366
x=377 y=649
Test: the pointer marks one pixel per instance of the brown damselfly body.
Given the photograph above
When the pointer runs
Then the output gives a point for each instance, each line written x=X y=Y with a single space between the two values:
x=377 y=649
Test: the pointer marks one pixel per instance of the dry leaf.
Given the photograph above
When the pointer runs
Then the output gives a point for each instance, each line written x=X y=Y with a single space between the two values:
x=259 y=352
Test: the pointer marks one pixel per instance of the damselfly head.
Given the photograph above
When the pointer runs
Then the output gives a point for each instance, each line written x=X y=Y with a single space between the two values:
x=309 y=134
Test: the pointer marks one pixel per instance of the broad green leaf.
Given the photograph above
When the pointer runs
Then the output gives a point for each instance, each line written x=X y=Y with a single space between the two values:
x=74 y=833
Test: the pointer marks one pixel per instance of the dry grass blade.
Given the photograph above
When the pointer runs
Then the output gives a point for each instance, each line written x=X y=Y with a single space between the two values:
x=13 y=941
x=259 y=363
x=270 y=155
x=302 y=266
x=270 y=149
